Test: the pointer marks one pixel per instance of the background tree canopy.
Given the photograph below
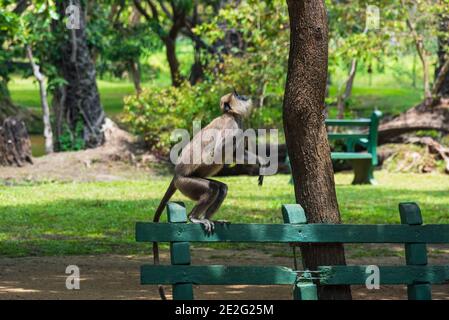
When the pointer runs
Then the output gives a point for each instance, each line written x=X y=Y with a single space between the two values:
x=174 y=59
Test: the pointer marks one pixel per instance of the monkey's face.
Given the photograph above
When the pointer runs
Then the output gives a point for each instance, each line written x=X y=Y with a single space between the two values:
x=235 y=104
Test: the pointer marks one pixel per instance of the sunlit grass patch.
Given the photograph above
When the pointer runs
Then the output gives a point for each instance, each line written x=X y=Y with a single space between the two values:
x=99 y=217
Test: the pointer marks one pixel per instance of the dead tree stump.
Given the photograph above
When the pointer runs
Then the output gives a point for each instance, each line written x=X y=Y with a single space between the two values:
x=15 y=144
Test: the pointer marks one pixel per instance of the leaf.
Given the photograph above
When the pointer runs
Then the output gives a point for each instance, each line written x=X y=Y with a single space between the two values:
x=54 y=15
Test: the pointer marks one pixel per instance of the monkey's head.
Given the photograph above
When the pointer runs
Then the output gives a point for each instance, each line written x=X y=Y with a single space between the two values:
x=233 y=103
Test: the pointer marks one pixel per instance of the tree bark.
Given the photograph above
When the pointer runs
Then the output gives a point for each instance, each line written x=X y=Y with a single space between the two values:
x=81 y=103
x=134 y=70
x=48 y=134
x=170 y=49
x=306 y=134
x=7 y=108
x=343 y=97
x=15 y=145
x=197 y=69
x=439 y=87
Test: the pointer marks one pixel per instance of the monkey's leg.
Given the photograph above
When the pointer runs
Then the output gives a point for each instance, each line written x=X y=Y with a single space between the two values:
x=222 y=192
x=204 y=192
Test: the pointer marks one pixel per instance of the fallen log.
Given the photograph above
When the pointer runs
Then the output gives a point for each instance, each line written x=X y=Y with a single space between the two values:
x=421 y=117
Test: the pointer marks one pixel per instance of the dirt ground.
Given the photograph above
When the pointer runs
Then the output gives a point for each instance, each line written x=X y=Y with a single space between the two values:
x=122 y=157
x=117 y=277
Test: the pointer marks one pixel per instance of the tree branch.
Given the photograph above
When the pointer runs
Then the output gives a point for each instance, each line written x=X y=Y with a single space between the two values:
x=440 y=78
x=153 y=10
x=21 y=7
x=420 y=49
x=142 y=10
x=165 y=10
x=34 y=66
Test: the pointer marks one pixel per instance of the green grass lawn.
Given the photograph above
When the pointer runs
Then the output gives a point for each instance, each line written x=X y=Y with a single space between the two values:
x=389 y=100
x=25 y=93
x=93 y=218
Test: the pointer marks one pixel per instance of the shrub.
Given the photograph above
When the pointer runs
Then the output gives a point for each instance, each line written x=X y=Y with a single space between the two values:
x=158 y=111
x=72 y=141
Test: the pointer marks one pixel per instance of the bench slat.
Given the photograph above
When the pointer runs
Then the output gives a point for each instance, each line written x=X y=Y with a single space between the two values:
x=282 y=233
x=350 y=155
x=216 y=275
x=349 y=123
x=266 y=275
x=346 y=136
x=409 y=275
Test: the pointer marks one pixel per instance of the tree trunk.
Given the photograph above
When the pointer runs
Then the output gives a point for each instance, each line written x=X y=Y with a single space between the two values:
x=7 y=108
x=197 y=69
x=81 y=103
x=15 y=145
x=343 y=97
x=306 y=133
x=134 y=71
x=421 y=50
x=170 y=48
x=48 y=134
x=443 y=57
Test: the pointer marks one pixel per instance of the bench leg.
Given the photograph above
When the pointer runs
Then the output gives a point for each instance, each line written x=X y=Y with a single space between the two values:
x=305 y=291
x=363 y=172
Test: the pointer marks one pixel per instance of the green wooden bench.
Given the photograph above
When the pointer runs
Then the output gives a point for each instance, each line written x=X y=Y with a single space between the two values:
x=363 y=163
x=416 y=274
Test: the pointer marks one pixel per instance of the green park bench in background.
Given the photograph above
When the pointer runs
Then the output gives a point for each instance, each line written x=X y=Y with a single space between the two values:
x=363 y=163
x=416 y=274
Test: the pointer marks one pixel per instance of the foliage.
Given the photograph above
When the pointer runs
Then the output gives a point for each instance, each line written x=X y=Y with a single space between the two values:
x=258 y=68
x=120 y=42
x=155 y=113
x=69 y=141
x=258 y=71
x=124 y=48
x=33 y=28
x=118 y=33
x=8 y=27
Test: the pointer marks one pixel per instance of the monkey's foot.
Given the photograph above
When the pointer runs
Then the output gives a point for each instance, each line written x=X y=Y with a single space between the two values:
x=208 y=225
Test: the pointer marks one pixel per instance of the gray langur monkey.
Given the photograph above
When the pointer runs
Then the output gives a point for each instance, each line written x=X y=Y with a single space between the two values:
x=191 y=178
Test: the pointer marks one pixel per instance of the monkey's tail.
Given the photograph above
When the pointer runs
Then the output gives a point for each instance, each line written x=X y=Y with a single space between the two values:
x=168 y=194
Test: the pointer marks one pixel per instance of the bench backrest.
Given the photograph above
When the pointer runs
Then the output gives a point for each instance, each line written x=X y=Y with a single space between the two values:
x=416 y=274
x=367 y=140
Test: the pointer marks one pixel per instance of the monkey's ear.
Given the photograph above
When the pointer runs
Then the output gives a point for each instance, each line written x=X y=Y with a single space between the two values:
x=235 y=92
